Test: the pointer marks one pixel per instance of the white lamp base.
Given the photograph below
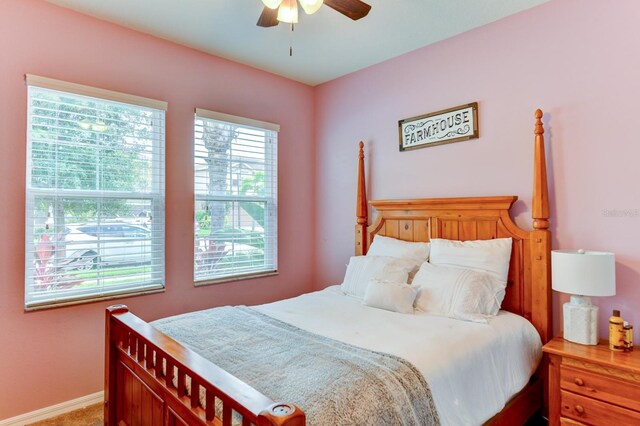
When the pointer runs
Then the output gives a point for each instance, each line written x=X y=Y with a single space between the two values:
x=580 y=321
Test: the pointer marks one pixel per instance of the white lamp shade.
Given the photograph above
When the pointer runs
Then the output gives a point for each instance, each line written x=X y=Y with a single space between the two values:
x=288 y=12
x=272 y=4
x=311 y=6
x=583 y=272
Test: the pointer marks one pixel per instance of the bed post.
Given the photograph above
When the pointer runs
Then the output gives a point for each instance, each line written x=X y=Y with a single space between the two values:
x=361 y=207
x=541 y=239
x=111 y=360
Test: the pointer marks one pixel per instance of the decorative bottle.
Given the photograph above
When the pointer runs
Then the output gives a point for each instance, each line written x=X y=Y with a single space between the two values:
x=616 y=332
x=628 y=337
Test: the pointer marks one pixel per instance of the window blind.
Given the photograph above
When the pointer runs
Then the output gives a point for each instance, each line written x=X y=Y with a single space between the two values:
x=95 y=196
x=235 y=185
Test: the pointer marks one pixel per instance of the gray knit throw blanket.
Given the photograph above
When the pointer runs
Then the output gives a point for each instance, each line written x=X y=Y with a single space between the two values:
x=334 y=383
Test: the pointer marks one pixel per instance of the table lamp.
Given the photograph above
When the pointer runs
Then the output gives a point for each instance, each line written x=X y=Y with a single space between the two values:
x=582 y=273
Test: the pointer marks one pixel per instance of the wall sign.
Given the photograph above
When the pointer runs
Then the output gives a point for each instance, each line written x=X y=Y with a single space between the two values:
x=447 y=126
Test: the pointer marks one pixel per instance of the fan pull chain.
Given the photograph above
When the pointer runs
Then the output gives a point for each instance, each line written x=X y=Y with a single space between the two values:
x=291 y=40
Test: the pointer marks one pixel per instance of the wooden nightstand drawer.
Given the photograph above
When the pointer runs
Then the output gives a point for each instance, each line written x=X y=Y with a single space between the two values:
x=595 y=412
x=565 y=421
x=602 y=387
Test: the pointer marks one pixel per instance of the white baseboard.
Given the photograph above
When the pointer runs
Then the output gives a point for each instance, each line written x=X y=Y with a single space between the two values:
x=54 y=410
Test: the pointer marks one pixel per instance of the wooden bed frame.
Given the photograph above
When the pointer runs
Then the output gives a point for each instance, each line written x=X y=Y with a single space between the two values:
x=139 y=391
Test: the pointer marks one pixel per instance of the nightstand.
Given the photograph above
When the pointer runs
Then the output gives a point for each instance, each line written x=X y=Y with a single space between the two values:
x=592 y=385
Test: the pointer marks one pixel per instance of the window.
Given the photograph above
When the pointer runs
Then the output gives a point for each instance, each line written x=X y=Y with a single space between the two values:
x=235 y=168
x=95 y=194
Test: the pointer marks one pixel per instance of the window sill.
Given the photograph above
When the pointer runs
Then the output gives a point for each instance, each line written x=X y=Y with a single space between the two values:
x=90 y=299
x=206 y=282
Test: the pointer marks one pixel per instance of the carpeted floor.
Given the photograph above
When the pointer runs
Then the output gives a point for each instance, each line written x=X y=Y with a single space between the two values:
x=89 y=416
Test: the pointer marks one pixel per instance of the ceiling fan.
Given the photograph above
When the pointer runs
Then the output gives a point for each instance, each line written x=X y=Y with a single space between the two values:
x=276 y=11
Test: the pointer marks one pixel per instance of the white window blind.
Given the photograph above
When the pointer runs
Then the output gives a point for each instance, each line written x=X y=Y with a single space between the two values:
x=235 y=183
x=95 y=195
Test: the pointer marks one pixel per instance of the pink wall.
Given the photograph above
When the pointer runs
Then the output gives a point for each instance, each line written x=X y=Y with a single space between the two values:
x=578 y=63
x=56 y=355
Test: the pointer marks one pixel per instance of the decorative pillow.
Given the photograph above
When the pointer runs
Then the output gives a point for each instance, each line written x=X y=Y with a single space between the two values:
x=490 y=256
x=362 y=269
x=387 y=246
x=456 y=292
x=392 y=296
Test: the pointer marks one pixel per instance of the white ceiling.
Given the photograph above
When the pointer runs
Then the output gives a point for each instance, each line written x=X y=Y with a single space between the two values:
x=326 y=45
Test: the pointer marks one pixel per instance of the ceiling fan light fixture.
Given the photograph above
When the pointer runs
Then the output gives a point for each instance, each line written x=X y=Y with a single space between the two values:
x=288 y=11
x=311 y=6
x=272 y=4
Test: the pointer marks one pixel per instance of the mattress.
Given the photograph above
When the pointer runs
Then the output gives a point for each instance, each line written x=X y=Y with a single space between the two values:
x=473 y=369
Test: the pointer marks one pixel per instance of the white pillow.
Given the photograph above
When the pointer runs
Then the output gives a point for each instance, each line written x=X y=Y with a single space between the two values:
x=490 y=256
x=456 y=292
x=392 y=296
x=362 y=269
x=387 y=246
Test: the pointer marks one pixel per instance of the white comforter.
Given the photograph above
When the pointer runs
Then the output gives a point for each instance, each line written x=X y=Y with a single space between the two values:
x=472 y=369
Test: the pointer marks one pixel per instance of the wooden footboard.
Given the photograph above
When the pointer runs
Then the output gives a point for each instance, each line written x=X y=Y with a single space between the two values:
x=148 y=376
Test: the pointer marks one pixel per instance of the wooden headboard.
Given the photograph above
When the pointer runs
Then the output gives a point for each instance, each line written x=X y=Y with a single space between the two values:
x=476 y=218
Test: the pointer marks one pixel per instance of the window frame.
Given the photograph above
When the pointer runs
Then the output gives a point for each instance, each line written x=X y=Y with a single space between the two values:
x=271 y=201
x=156 y=197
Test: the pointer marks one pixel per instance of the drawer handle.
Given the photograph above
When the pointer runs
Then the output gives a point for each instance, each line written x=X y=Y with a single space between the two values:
x=578 y=381
x=579 y=409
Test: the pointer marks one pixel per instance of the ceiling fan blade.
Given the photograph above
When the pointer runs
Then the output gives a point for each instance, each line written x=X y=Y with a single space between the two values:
x=354 y=9
x=268 y=18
